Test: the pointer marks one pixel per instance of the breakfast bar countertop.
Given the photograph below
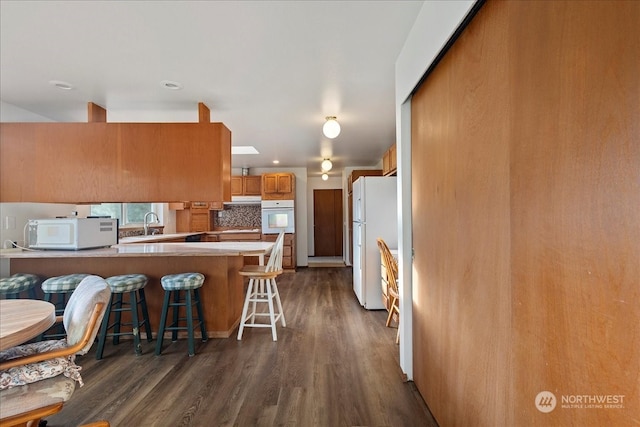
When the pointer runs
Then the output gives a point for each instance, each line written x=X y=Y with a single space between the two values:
x=158 y=238
x=222 y=292
x=248 y=248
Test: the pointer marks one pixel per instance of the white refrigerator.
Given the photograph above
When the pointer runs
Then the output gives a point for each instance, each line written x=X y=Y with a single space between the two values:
x=374 y=215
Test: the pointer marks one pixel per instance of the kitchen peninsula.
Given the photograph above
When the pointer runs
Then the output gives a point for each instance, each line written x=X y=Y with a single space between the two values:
x=222 y=293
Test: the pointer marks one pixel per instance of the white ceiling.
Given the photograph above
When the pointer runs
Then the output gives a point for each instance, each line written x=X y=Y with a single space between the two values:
x=269 y=70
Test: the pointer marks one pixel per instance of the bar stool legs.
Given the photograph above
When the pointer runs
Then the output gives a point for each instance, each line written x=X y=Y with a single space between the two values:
x=133 y=285
x=181 y=290
x=262 y=291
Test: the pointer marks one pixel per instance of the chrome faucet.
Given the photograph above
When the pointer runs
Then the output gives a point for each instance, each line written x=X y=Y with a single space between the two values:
x=146 y=221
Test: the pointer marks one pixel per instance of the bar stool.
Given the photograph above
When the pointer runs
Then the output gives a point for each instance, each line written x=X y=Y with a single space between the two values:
x=263 y=289
x=133 y=285
x=174 y=284
x=60 y=287
x=11 y=287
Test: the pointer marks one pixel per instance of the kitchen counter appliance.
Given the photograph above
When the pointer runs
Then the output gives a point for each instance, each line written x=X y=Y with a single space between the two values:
x=374 y=216
x=71 y=233
x=278 y=215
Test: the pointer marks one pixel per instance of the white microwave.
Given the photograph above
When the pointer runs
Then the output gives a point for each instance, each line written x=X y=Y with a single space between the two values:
x=278 y=215
x=72 y=233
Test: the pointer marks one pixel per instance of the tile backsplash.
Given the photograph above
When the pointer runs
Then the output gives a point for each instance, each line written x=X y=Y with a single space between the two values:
x=244 y=216
x=129 y=232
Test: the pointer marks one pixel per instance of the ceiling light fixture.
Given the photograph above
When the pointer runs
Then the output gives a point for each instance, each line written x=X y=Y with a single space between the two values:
x=61 y=85
x=168 y=84
x=275 y=162
x=331 y=127
x=325 y=177
x=326 y=165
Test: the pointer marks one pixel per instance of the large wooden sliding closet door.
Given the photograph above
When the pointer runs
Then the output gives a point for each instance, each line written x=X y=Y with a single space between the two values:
x=526 y=217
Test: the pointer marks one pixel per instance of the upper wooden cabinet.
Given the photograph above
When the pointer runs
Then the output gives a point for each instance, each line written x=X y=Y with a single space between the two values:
x=114 y=162
x=246 y=185
x=278 y=186
x=193 y=217
x=389 y=162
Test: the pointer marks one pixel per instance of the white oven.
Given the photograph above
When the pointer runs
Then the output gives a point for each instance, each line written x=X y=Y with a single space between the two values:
x=278 y=215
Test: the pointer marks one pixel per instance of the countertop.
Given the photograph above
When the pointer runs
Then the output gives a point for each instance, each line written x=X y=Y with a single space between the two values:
x=172 y=236
x=249 y=248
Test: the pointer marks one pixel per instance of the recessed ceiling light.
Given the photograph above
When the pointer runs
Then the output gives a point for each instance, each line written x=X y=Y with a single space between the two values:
x=275 y=162
x=168 y=84
x=61 y=85
x=243 y=149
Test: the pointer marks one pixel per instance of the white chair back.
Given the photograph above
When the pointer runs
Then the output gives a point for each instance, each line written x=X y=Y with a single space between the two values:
x=91 y=291
x=275 y=259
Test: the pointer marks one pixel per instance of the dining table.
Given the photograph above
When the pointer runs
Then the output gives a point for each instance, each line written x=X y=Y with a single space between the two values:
x=24 y=319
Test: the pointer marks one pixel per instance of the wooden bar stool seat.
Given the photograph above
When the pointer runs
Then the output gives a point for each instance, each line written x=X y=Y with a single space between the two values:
x=262 y=288
x=184 y=287
x=133 y=286
x=12 y=287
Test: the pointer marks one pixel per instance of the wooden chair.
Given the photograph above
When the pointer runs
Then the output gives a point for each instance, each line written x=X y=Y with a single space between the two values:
x=44 y=394
x=263 y=289
x=391 y=281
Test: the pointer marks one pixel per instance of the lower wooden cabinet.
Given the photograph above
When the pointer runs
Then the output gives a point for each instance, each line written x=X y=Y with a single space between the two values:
x=239 y=237
x=288 y=250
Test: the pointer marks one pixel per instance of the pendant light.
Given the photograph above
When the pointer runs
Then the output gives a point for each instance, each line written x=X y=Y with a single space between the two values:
x=331 y=127
x=326 y=165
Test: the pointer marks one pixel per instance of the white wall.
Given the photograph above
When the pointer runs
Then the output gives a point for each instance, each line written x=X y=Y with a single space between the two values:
x=11 y=113
x=434 y=26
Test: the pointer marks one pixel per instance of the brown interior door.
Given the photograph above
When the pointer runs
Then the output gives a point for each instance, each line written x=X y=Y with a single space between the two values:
x=327 y=219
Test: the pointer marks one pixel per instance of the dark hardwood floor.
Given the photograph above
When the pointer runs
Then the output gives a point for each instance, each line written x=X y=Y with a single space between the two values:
x=335 y=364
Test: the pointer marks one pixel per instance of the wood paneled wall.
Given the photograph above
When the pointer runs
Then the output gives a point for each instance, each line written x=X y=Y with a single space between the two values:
x=526 y=216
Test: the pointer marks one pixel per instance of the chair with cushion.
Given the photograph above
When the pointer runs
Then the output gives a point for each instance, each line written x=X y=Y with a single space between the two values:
x=262 y=288
x=31 y=384
x=390 y=266
x=57 y=290
x=132 y=286
x=185 y=290
x=12 y=287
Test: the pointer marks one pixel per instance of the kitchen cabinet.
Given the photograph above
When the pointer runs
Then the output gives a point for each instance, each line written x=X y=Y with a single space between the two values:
x=230 y=236
x=176 y=206
x=246 y=185
x=84 y=163
x=278 y=186
x=389 y=162
x=288 y=249
x=193 y=217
